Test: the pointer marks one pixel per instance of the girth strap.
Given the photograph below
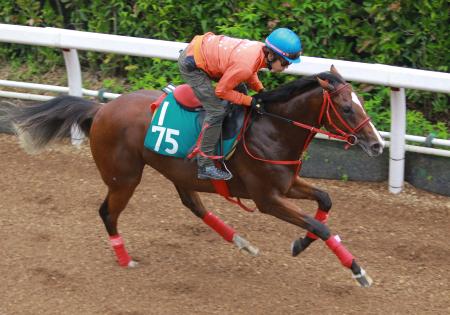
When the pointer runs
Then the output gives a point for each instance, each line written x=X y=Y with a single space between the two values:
x=222 y=189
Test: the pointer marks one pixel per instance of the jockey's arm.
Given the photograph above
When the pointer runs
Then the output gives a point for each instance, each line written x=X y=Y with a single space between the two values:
x=254 y=83
x=230 y=79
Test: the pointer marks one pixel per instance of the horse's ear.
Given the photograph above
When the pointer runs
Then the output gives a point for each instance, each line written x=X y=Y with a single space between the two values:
x=334 y=71
x=325 y=85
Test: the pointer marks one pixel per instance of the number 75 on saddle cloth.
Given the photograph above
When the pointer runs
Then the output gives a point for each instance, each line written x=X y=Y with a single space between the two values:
x=173 y=130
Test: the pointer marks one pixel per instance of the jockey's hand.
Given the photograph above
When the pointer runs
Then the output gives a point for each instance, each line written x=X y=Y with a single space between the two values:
x=257 y=105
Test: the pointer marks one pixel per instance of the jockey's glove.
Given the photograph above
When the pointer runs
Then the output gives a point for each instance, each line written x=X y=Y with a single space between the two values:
x=257 y=105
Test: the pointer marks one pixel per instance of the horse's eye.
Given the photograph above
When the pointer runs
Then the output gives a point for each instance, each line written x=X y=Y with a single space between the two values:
x=347 y=109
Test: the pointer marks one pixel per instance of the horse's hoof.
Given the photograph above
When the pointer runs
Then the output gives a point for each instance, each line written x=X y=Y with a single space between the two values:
x=252 y=250
x=296 y=247
x=245 y=245
x=133 y=264
x=363 y=279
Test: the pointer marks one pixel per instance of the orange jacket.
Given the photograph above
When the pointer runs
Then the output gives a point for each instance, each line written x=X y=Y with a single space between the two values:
x=230 y=61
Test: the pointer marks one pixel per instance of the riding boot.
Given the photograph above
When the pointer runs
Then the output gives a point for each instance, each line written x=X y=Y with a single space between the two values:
x=212 y=172
x=206 y=167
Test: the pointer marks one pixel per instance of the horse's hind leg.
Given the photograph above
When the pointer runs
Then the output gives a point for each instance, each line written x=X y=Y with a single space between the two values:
x=121 y=171
x=114 y=203
x=300 y=189
x=191 y=200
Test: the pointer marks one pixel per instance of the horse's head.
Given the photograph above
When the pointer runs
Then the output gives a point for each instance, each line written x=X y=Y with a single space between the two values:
x=344 y=114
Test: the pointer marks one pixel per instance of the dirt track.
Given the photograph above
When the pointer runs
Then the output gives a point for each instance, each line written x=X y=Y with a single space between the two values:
x=56 y=258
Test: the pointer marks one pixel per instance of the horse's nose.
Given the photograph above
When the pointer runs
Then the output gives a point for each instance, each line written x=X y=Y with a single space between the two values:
x=377 y=148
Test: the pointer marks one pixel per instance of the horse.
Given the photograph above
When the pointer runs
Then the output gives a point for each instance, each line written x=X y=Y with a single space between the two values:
x=265 y=163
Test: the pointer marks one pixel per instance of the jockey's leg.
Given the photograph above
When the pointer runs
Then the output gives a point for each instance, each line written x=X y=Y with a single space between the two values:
x=215 y=114
x=191 y=200
x=300 y=189
x=215 y=109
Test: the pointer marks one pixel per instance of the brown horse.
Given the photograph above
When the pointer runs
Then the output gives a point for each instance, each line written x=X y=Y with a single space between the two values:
x=265 y=163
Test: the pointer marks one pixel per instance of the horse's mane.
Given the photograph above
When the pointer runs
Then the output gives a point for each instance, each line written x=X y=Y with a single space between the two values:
x=287 y=91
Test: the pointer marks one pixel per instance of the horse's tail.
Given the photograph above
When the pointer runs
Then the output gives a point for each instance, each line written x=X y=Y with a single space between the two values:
x=39 y=125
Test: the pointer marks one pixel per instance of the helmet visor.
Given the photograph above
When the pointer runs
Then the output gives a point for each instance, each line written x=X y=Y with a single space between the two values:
x=292 y=58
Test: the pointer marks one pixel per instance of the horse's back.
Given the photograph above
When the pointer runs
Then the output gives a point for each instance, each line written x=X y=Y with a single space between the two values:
x=118 y=129
x=132 y=103
x=125 y=112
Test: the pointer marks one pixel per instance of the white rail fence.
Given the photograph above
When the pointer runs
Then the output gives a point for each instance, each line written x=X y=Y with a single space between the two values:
x=397 y=78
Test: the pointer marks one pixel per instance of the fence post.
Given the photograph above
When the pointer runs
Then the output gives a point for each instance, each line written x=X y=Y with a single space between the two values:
x=397 y=147
x=75 y=88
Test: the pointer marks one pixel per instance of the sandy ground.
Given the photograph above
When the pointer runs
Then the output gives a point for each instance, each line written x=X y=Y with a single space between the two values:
x=55 y=256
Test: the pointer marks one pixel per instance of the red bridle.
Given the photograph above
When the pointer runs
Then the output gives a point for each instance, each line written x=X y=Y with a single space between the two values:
x=327 y=104
x=349 y=137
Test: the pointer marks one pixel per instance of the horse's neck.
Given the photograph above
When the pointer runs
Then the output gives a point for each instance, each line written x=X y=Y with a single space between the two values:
x=304 y=108
x=281 y=139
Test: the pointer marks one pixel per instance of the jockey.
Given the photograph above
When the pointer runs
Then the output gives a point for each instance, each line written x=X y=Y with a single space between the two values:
x=230 y=62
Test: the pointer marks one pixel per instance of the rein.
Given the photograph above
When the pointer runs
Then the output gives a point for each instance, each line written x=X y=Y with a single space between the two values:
x=327 y=103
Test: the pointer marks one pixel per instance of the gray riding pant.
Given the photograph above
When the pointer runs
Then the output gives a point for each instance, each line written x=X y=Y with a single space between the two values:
x=216 y=109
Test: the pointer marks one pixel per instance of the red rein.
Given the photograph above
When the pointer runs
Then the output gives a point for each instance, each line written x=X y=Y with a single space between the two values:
x=327 y=103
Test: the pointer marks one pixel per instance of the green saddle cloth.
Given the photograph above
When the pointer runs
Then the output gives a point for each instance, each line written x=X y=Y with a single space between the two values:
x=174 y=131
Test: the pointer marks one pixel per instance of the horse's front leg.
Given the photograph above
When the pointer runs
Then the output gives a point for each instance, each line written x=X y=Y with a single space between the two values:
x=280 y=207
x=300 y=189
x=191 y=200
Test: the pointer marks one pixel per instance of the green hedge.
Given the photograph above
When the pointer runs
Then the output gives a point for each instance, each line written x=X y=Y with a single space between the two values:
x=412 y=34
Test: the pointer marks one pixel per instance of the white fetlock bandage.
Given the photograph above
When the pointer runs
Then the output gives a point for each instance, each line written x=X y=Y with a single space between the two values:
x=360 y=275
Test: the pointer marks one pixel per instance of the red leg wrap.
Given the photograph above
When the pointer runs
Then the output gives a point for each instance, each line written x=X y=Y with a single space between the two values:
x=340 y=251
x=119 y=248
x=219 y=226
x=321 y=216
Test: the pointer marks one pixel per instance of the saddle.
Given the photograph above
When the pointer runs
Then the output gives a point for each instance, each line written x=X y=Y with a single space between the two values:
x=185 y=96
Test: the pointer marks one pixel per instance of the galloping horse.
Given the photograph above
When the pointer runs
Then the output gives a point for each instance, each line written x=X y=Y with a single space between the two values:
x=265 y=163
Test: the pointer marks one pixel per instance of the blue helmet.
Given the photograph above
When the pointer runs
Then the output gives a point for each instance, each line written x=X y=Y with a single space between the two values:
x=285 y=43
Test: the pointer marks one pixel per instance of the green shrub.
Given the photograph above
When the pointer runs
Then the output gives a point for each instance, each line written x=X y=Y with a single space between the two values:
x=411 y=34
x=416 y=123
